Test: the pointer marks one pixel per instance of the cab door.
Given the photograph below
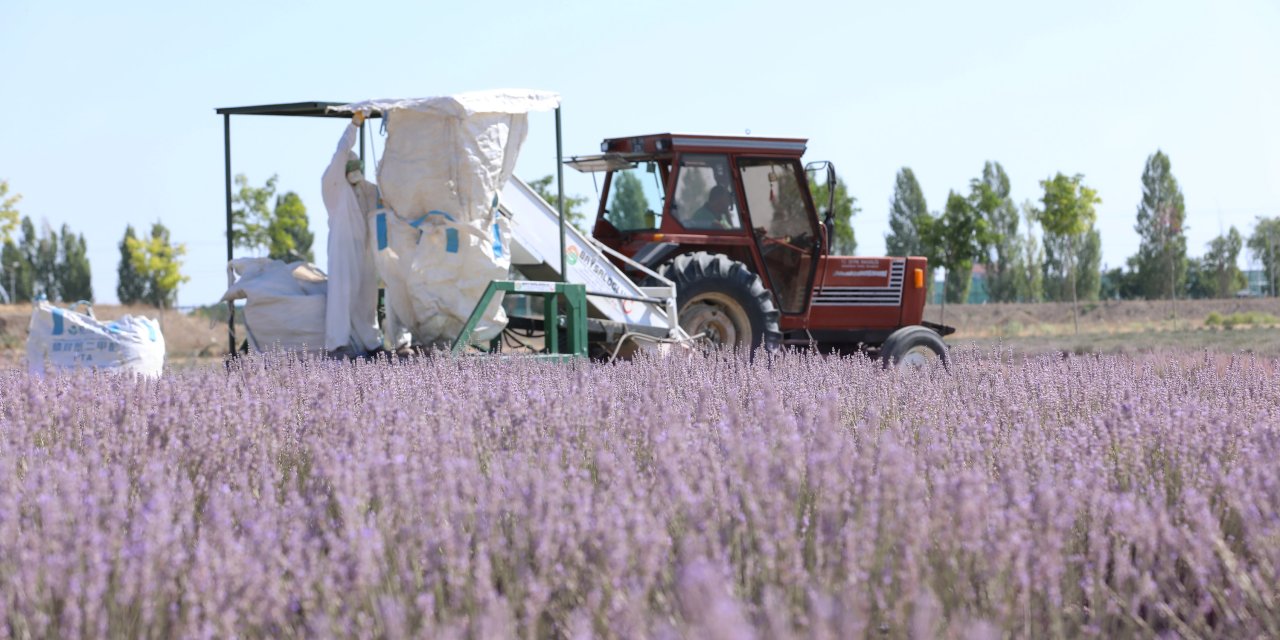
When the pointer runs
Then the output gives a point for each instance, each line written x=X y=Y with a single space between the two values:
x=784 y=228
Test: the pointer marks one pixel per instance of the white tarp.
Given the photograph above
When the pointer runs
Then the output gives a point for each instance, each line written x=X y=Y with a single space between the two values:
x=440 y=239
x=285 y=303
x=67 y=339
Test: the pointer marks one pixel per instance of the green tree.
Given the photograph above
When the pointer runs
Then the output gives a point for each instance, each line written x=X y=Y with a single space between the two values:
x=8 y=212
x=573 y=213
x=1067 y=215
x=1199 y=279
x=17 y=273
x=1029 y=262
x=20 y=273
x=954 y=240
x=289 y=232
x=251 y=218
x=1220 y=265
x=629 y=202
x=989 y=195
x=75 y=280
x=26 y=255
x=1089 y=266
x=45 y=263
x=1120 y=283
x=1162 y=254
x=1057 y=271
x=908 y=213
x=1264 y=244
x=846 y=242
x=158 y=262
x=131 y=287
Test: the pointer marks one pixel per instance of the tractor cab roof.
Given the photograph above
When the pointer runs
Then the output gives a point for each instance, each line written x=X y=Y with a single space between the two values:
x=620 y=153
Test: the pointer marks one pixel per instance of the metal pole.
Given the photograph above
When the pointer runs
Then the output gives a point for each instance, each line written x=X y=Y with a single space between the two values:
x=231 y=305
x=362 y=144
x=1271 y=263
x=564 y=266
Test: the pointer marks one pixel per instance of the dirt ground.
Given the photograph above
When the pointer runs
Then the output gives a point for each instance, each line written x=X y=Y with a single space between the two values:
x=1104 y=327
x=1112 y=326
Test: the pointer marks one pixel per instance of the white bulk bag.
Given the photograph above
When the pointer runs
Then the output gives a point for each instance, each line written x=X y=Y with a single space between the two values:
x=67 y=339
x=434 y=271
x=285 y=303
x=393 y=237
x=440 y=240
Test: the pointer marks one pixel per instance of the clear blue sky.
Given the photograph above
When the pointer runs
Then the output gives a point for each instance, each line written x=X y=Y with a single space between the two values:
x=107 y=116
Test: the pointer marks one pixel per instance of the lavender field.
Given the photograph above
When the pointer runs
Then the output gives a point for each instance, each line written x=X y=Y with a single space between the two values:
x=698 y=497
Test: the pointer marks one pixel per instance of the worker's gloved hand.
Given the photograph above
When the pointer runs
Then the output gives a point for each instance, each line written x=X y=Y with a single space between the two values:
x=358 y=118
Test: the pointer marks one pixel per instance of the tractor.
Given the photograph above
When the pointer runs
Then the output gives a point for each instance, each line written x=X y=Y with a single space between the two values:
x=731 y=221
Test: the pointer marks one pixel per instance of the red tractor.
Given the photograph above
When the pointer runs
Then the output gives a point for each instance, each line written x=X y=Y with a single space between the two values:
x=731 y=221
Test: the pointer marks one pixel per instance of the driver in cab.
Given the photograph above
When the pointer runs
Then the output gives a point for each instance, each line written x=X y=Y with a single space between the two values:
x=715 y=213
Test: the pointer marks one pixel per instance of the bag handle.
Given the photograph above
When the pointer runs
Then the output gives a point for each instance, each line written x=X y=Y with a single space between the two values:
x=88 y=306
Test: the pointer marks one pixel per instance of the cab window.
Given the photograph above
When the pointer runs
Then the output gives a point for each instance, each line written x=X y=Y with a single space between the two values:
x=704 y=198
x=635 y=198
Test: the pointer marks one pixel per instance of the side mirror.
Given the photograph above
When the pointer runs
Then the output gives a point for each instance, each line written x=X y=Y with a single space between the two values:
x=829 y=229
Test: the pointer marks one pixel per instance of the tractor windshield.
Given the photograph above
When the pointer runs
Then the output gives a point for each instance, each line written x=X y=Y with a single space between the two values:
x=635 y=198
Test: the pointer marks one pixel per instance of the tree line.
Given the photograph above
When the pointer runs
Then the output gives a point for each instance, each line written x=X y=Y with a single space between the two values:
x=980 y=225
x=54 y=264
x=1064 y=261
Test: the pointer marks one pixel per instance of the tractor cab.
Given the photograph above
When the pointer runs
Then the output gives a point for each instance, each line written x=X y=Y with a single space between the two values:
x=731 y=221
x=744 y=197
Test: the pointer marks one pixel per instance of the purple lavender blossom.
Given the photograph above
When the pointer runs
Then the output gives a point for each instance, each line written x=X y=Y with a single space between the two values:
x=691 y=496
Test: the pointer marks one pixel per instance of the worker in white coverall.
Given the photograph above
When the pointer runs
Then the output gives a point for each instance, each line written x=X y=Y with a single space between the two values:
x=351 y=311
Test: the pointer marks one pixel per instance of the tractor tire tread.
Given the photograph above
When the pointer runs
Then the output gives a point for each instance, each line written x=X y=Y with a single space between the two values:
x=735 y=278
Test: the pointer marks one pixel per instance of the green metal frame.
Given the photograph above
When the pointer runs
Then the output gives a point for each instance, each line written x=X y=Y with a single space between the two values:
x=575 y=299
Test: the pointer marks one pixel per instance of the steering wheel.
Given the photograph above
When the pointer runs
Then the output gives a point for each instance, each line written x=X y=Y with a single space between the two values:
x=770 y=243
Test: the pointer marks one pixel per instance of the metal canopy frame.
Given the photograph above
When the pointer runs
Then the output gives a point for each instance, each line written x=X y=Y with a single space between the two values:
x=320 y=109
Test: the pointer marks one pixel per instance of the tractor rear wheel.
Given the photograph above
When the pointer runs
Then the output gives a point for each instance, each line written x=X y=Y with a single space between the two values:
x=913 y=347
x=724 y=301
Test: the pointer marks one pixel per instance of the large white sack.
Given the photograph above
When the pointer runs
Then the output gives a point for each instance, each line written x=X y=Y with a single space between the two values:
x=452 y=153
x=67 y=339
x=394 y=237
x=453 y=264
x=442 y=240
x=285 y=303
x=435 y=270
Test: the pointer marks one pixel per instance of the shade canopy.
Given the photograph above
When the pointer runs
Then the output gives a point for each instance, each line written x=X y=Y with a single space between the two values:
x=314 y=109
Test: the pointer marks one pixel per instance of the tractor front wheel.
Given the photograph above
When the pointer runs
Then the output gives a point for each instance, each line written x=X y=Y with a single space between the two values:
x=913 y=347
x=723 y=301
